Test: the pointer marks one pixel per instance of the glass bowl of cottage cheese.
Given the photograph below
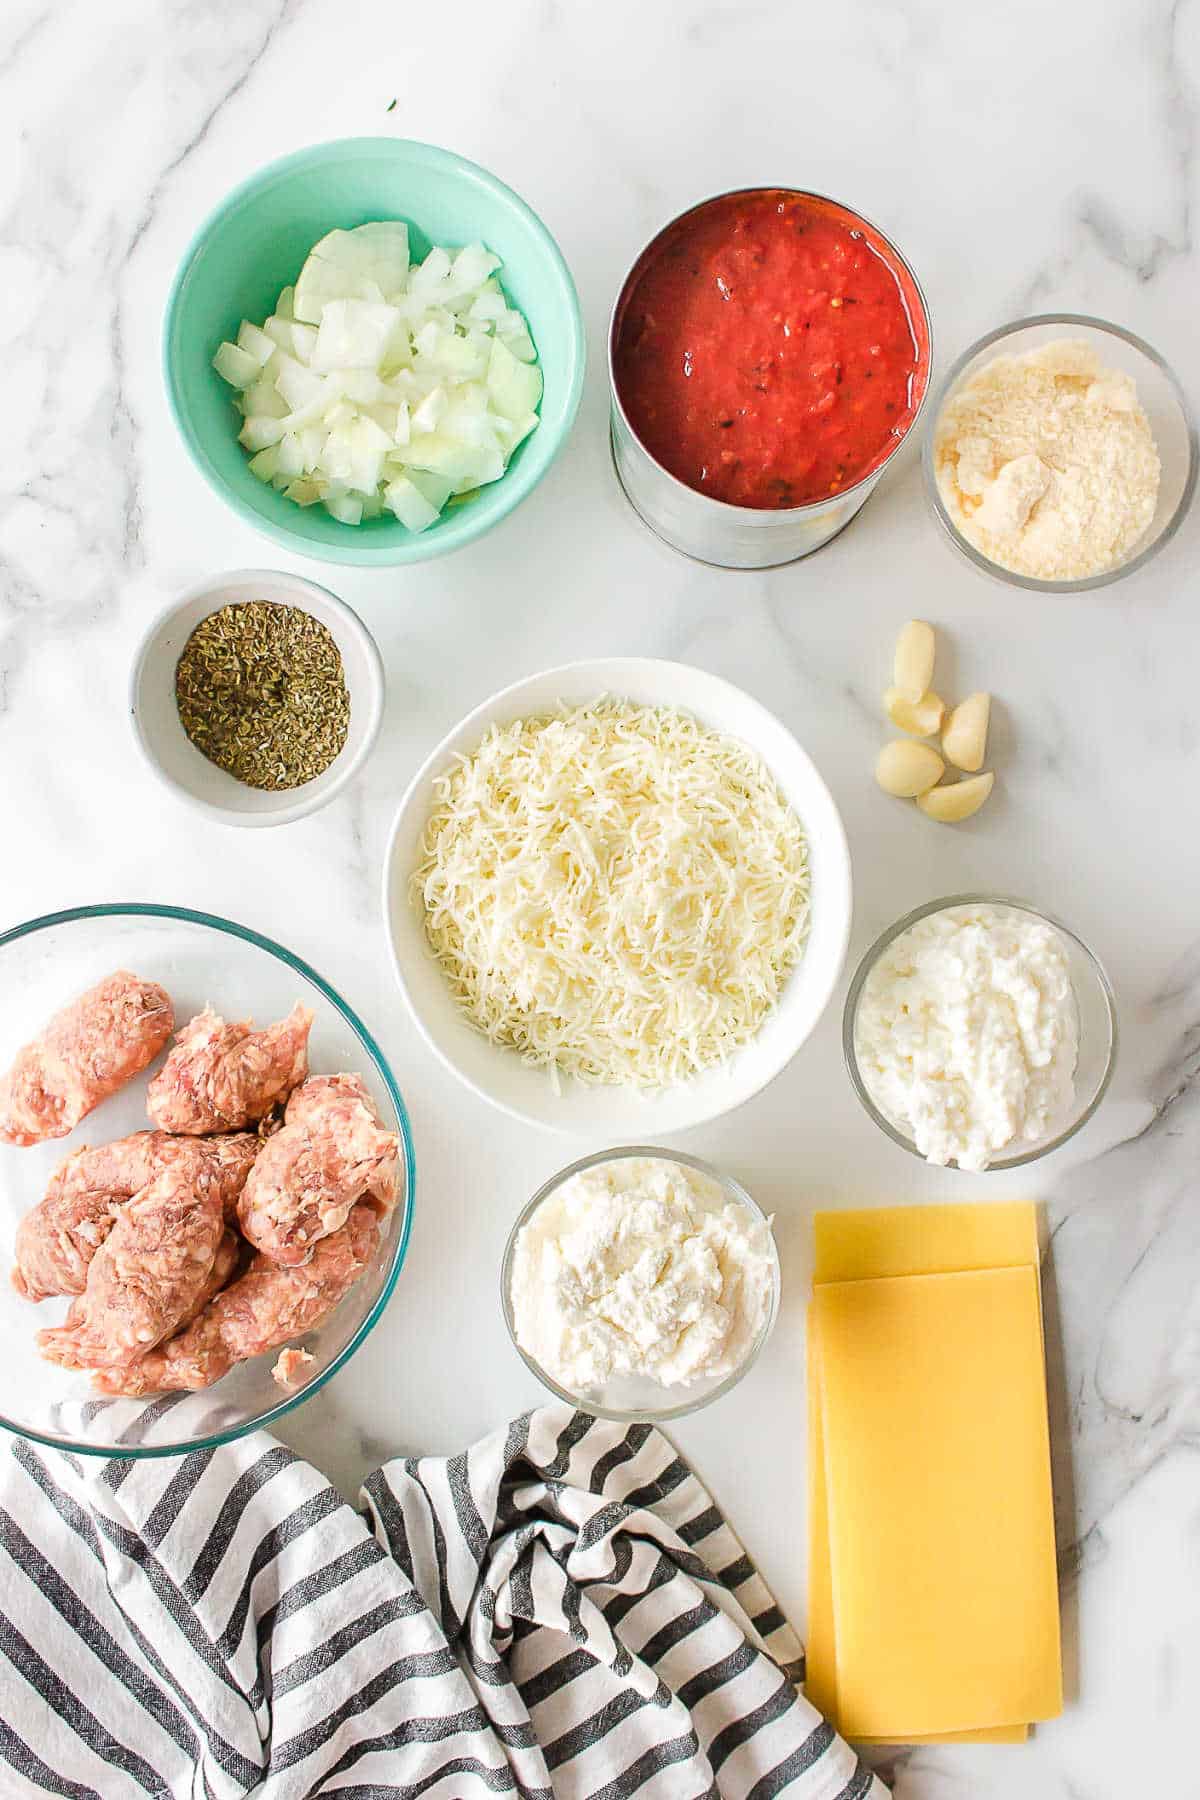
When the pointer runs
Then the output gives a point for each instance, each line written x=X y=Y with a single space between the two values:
x=980 y=1032
x=1060 y=453
x=640 y=1283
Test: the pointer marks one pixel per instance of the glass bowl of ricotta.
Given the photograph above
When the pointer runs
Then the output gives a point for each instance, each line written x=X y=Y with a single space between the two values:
x=640 y=1283
x=1060 y=453
x=980 y=1032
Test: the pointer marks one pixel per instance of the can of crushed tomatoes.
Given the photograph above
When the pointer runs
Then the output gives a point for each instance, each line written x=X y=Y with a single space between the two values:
x=769 y=352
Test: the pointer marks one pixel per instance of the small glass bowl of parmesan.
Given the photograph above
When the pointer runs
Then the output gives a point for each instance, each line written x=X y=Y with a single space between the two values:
x=1060 y=453
x=640 y=1283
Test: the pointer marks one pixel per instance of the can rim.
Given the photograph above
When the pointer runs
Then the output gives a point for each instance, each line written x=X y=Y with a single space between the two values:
x=811 y=506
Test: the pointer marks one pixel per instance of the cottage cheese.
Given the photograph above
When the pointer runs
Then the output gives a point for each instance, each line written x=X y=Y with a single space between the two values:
x=967 y=1033
x=1046 y=463
x=637 y=1268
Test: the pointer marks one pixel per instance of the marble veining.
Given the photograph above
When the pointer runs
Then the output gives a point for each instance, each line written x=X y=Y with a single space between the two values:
x=1026 y=158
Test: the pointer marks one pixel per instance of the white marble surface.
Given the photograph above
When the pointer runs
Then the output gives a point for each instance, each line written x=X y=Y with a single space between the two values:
x=1025 y=156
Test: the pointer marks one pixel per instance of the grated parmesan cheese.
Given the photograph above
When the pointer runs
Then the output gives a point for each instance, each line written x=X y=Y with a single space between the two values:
x=1046 y=463
x=615 y=891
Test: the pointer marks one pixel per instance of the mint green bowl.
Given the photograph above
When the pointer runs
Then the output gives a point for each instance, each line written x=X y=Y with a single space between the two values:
x=253 y=245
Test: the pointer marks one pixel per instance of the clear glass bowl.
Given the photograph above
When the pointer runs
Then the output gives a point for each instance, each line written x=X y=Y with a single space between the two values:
x=630 y=1397
x=1161 y=397
x=199 y=959
x=1097 y=1028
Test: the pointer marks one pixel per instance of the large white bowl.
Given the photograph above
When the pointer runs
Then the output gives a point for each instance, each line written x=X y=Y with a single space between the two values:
x=616 y=1113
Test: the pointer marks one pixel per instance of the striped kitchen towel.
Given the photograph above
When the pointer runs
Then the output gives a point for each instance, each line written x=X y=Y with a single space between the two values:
x=560 y=1610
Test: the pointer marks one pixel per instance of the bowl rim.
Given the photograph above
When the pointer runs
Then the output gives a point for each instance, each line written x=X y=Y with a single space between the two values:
x=811 y=507
x=733 y=1190
x=373 y=696
x=884 y=942
x=213 y=921
x=419 y=546
x=1086 y=583
x=478 y=718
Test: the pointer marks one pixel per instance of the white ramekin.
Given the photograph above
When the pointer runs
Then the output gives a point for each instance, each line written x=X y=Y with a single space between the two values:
x=175 y=759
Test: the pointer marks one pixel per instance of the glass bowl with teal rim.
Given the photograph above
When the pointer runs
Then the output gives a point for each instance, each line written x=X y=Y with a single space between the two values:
x=199 y=959
x=254 y=244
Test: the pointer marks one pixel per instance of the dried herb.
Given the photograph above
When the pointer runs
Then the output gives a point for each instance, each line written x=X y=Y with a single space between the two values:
x=262 y=693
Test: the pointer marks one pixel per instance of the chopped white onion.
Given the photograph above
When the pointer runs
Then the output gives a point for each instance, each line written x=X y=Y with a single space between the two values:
x=235 y=366
x=255 y=343
x=375 y=386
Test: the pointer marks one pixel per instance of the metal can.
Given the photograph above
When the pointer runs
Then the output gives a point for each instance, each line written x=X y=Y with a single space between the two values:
x=749 y=537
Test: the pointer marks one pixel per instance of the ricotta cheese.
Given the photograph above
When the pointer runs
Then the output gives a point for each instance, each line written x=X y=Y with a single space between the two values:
x=1046 y=463
x=640 y=1267
x=967 y=1033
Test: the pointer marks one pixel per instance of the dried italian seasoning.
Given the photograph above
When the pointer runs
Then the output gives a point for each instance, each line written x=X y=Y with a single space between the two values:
x=262 y=693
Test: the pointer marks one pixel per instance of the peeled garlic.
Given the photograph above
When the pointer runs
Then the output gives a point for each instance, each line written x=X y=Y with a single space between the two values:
x=965 y=738
x=913 y=668
x=957 y=800
x=922 y=717
x=906 y=769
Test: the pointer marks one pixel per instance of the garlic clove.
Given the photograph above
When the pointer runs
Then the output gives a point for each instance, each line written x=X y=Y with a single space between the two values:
x=957 y=800
x=922 y=718
x=964 y=738
x=913 y=664
x=906 y=769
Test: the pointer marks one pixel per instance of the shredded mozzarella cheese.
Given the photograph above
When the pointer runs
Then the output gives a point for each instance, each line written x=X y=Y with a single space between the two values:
x=615 y=891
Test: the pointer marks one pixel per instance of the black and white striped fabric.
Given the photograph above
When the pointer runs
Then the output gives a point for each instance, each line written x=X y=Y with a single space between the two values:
x=560 y=1610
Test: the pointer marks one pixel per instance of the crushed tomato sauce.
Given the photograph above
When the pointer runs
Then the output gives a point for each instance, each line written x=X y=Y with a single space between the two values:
x=767 y=352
